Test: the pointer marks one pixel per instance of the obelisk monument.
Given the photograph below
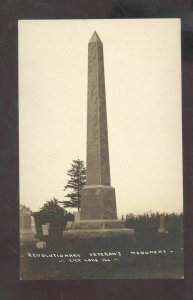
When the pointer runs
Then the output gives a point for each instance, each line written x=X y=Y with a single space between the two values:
x=98 y=198
x=98 y=216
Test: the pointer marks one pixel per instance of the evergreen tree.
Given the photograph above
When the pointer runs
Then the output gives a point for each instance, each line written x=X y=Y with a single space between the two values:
x=77 y=181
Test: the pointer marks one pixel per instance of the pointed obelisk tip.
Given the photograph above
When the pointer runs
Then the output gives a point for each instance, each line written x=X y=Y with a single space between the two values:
x=95 y=38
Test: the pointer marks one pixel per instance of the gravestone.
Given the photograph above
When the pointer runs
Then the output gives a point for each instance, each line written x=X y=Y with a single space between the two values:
x=68 y=225
x=41 y=245
x=98 y=216
x=77 y=216
x=27 y=235
x=33 y=225
x=45 y=229
x=162 y=228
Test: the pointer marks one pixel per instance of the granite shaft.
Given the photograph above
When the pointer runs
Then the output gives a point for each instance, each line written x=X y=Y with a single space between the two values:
x=98 y=200
x=98 y=168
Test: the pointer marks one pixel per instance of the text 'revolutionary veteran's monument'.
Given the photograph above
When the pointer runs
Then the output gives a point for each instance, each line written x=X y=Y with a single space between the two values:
x=98 y=217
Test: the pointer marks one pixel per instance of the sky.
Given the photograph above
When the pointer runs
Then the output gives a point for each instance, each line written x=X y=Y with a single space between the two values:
x=142 y=61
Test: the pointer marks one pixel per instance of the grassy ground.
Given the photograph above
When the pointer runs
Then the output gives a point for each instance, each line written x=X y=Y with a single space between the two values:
x=140 y=256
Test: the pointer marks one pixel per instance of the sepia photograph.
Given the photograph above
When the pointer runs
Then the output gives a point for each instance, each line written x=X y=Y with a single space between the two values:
x=100 y=149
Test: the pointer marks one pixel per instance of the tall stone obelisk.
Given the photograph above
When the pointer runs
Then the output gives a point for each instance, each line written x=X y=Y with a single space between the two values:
x=98 y=197
x=98 y=217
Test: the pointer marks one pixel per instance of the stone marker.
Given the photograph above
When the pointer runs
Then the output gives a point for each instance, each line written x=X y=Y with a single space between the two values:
x=98 y=215
x=77 y=216
x=27 y=235
x=45 y=229
x=33 y=225
x=69 y=225
x=162 y=228
x=41 y=245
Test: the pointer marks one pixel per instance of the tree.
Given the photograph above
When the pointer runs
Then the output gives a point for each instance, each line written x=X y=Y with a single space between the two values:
x=51 y=212
x=52 y=206
x=77 y=181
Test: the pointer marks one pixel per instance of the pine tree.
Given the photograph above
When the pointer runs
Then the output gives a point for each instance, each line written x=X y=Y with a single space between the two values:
x=77 y=181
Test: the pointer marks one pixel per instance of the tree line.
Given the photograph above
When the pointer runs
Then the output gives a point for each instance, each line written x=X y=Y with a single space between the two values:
x=150 y=222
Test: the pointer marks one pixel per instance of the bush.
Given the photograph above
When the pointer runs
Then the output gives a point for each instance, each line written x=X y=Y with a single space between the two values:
x=149 y=223
x=52 y=213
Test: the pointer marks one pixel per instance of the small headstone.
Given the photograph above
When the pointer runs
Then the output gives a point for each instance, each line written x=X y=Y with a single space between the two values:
x=69 y=225
x=27 y=235
x=41 y=245
x=45 y=229
x=33 y=225
x=162 y=228
x=77 y=216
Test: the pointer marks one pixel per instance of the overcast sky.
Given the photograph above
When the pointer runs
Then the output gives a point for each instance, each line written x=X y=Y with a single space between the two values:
x=143 y=94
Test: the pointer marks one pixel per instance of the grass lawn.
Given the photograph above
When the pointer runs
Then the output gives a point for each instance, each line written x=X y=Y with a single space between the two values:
x=139 y=256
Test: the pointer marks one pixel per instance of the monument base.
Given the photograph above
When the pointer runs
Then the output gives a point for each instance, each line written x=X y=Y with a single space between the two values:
x=97 y=229
x=105 y=233
x=98 y=202
x=97 y=224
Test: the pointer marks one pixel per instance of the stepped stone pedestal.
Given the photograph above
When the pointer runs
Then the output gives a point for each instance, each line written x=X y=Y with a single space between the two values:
x=98 y=217
x=98 y=229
